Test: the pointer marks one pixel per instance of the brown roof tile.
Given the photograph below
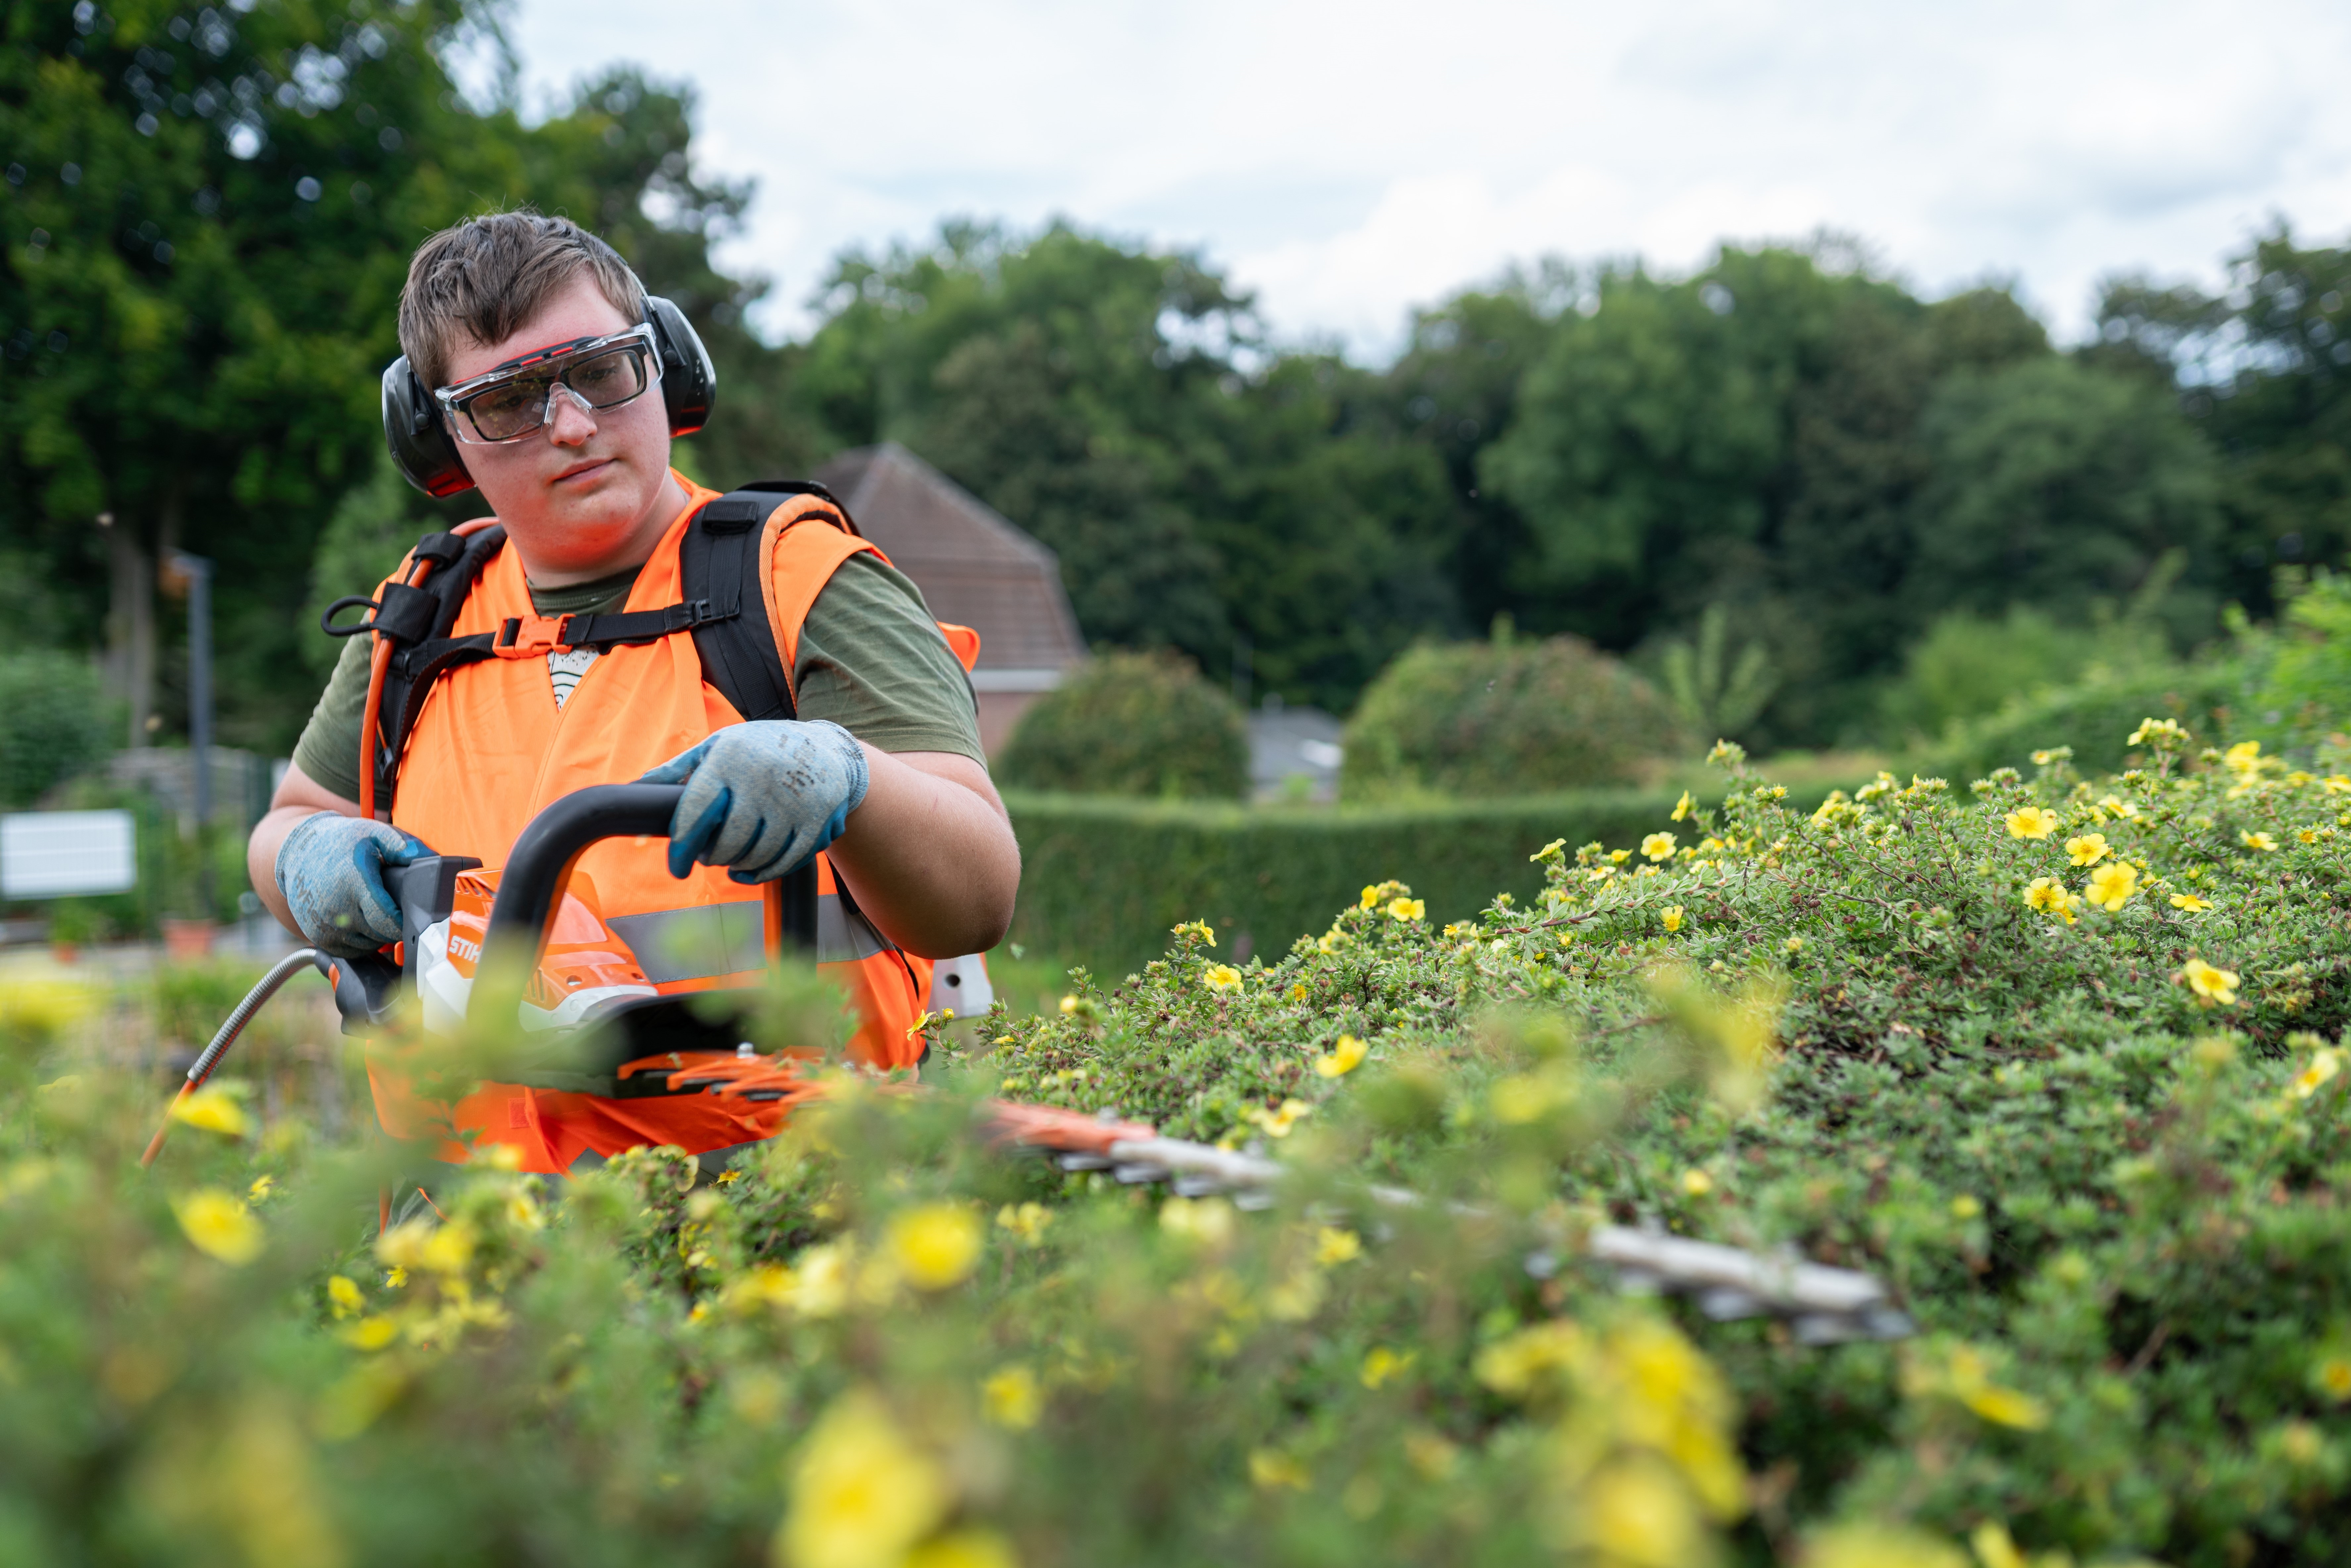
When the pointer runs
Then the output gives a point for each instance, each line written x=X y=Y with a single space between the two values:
x=972 y=566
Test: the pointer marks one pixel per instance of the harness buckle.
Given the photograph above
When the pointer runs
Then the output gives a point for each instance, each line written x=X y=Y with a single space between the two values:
x=533 y=636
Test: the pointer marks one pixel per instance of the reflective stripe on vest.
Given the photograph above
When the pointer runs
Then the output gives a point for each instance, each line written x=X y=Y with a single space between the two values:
x=713 y=941
x=490 y=751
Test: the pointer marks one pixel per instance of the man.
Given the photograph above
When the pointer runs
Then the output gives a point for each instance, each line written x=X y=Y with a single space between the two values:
x=881 y=768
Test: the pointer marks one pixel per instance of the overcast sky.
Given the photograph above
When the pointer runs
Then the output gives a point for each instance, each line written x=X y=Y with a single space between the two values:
x=1351 y=161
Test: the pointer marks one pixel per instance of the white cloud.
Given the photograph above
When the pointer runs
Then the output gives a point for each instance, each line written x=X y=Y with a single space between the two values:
x=1352 y=162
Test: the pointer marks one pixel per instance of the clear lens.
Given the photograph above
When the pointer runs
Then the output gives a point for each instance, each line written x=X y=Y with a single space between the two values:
x=608 y=381
x=510 y=409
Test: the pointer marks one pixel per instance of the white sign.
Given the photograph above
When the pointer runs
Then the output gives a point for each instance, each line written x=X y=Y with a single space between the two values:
x=52 y=854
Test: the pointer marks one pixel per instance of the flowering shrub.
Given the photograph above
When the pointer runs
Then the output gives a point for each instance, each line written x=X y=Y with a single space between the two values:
x=2088 y=1126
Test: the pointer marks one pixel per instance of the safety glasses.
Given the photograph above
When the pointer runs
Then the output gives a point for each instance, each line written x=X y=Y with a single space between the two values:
x=518 y=399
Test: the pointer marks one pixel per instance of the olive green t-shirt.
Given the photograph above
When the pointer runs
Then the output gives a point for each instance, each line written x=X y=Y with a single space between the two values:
x=871 y=659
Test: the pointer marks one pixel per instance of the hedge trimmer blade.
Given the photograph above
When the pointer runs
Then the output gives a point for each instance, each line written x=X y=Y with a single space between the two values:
x=1822 y=1305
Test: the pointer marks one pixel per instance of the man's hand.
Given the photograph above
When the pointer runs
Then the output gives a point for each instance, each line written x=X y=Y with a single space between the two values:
x=330 y=870
x=761 y=799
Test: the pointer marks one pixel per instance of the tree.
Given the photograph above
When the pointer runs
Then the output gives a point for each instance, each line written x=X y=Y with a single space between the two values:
x=1119 y=403
x=2058 y=485
x=2265 y=371
x=208 y=213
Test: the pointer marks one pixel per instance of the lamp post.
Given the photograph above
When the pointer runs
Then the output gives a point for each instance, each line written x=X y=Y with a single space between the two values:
x=198 y=572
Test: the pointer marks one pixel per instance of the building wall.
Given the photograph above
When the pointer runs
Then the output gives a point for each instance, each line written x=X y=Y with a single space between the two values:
x=999 y=712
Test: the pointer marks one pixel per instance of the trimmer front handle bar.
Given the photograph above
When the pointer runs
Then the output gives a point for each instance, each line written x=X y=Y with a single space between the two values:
x=541 y=860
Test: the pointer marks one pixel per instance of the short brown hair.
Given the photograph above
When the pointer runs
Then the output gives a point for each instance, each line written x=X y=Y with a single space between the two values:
x=486 y=279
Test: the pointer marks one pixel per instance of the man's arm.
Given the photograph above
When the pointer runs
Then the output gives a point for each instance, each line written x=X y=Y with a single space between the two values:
x=298 y=796
x=929 y=855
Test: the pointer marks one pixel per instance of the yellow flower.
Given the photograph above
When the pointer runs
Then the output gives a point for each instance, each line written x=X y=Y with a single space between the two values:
x=1069 y=1004
x=1371 y=898
x=2209 y=985
x=1223 y=978
x=261 y=1188
x=862 y=1493
x=2088 y=850
x=1995 y=1548
x=1334 y=1246
x=2261 y=842
x=1199 y=928
x=1277 y=1124
x=1966 y=1206
x=1525 y=1097
x=1012 y=1399
x=1382 y=1363
x=1874 y=1546
x=2156 y=729
x=1299 y=993
x=2031 y=822
x=2006 y=1407
x=1793 y=945
x=934 y=1246
x=2049 y=896
x=2323 y=1066
x=964 y=1549
x=2111 y=886
x=2191 y=903
x=2244 y=756
x=1684 y=807
x=1027 y=1223
x=371 y=1333
x=1271 y=1470
x=1407 y=909
x=1637 y=1511
x=1697 y=1183
x=1204 y=1219
x=1344 y=1058
x=345 y=1295
x=219 y=1225
x=1672 y=918
x=214 y=1110
x=1659 y=846
x=2331 y=1376
x=818 y=1284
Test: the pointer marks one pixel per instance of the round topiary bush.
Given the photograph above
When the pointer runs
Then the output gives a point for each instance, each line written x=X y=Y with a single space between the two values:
x=53 y=722
x=1131 y=723
x=1504 y=718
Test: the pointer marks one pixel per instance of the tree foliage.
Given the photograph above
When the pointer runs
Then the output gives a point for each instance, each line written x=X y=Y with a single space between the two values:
x=207 y=216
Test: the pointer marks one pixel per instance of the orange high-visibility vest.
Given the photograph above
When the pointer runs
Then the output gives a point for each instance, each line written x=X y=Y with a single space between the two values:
x=490 y=751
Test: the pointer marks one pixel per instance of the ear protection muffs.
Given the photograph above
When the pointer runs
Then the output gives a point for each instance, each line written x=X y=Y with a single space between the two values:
x=427 y=456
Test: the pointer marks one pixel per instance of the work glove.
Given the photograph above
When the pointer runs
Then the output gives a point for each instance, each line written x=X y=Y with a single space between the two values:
x=760 y=798
x=330 y=868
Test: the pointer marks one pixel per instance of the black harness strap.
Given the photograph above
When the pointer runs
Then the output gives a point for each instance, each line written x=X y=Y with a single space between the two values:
x=720 y=577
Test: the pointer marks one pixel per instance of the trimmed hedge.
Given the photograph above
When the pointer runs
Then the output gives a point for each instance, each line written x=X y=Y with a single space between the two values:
x=1103 y=880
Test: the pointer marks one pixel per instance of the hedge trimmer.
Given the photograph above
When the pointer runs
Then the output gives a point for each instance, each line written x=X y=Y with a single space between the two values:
x=591 y=1015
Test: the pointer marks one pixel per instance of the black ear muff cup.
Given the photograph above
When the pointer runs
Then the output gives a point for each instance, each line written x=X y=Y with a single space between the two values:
x=689 y=382
x=420 y=444
x=426 y=454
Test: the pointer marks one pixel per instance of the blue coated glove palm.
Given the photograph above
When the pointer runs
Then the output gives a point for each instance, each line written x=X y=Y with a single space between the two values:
x=330 y=868
x=760 y=798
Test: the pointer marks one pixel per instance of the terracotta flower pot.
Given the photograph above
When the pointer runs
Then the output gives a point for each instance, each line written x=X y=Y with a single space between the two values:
x=187 y=938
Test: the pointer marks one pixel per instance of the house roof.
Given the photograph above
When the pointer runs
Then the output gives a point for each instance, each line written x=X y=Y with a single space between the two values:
x=973 y=566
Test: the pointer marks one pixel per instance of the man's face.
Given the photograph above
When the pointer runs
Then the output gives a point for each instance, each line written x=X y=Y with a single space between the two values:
x=578 y=495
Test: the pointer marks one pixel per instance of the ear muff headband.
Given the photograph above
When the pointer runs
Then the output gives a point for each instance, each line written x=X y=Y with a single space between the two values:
x=427 y=453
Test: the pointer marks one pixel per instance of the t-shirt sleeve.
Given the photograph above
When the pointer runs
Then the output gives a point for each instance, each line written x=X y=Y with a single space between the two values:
x=873 y=661
x=329 y=751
